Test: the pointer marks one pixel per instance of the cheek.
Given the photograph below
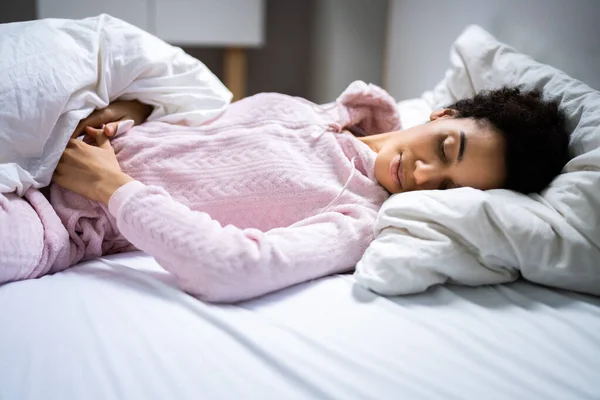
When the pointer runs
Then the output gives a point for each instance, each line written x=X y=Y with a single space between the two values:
x=483 y=174
x=382 y=166
x=496 y=170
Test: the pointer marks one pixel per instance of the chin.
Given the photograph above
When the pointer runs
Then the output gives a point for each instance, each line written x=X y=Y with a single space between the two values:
x=390 y=187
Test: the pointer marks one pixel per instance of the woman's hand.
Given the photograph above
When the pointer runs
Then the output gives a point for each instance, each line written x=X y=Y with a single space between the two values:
x=91 y=171
x=110 y=117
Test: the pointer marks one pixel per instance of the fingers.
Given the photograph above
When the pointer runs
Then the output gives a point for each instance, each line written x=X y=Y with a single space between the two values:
x=80 y=127
x=110 y=129
x=100 y=138
x=93 y=132
x=96 y=120
x=90 y=135
x=96 y=136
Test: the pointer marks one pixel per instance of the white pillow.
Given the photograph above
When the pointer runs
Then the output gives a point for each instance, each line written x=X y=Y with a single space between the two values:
x=473 y=237
x=414 y=112
x=54 y=72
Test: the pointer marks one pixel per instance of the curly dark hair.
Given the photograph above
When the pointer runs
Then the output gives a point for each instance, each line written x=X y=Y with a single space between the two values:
x=534 y=130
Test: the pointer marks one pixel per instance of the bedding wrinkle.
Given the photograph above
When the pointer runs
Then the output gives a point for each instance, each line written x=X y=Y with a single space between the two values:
x=210 y=313
x=68 y=68
x=313 y=341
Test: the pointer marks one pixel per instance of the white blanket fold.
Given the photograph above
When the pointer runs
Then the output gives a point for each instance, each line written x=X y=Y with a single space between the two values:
x=54 y=72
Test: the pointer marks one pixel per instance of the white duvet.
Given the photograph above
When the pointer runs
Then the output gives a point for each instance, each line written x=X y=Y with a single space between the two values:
x=55 y=72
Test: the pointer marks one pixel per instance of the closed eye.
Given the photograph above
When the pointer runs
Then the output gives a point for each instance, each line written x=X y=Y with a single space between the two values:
x=442 y=151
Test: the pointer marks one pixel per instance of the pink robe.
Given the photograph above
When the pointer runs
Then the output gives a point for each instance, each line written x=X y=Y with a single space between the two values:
x=270 y=194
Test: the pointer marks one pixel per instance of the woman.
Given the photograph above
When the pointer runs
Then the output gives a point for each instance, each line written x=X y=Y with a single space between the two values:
x=277 y=190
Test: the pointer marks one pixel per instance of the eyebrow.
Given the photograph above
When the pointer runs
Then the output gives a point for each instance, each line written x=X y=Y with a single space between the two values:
x=463 y=144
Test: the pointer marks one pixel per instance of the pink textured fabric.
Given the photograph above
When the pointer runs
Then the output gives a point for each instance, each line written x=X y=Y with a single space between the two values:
x=255 y=201
x=33 y=241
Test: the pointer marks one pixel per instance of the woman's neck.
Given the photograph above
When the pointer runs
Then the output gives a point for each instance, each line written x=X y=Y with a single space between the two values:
x=375 y=142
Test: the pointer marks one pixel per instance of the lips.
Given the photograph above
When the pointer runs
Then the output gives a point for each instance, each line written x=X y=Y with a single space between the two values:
x=396 y=170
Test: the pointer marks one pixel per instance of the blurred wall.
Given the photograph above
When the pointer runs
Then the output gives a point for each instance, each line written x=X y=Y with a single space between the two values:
x=282 y=65
x=313 y=48
x=562 y=33
x=348 y=41
x=14 y=11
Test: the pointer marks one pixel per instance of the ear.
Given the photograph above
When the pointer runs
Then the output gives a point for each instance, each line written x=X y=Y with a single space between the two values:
x=443 y=113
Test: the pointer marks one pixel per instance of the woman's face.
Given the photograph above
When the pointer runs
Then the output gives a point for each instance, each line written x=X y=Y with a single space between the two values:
x=445 y=153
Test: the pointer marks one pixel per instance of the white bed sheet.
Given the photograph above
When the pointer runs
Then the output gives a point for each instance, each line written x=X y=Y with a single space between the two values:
x=117 y=328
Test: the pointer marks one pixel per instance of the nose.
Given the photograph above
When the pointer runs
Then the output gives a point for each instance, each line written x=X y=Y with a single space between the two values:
x=426 y=176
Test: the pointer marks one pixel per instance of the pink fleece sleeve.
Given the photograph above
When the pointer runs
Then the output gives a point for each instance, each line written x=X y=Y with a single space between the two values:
x=369 y=107
x=227 y=264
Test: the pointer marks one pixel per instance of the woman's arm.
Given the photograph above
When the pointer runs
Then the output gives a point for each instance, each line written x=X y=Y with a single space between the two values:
x=90 y=171
x=214 y=262
x=226 y=264
x=110 y=116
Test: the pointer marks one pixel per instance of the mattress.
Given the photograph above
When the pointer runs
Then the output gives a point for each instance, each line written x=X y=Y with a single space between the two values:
x=118 y=328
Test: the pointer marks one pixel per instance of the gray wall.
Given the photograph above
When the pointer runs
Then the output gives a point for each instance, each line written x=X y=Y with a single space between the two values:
x=314 y=48
x=282 y=65
x=562 y=33
x=348 y=38
x=16 y=10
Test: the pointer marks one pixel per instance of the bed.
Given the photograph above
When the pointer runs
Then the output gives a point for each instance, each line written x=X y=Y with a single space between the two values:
x=117 y=328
